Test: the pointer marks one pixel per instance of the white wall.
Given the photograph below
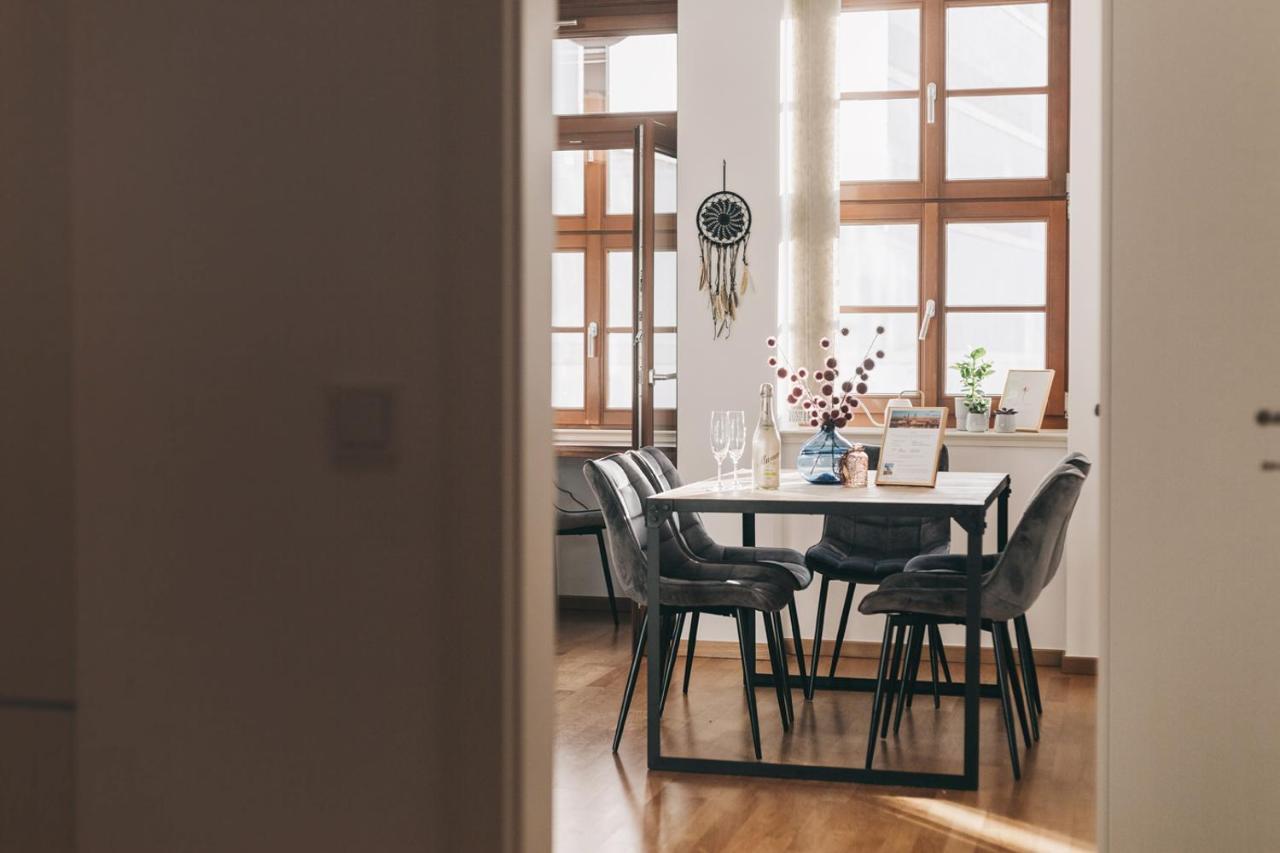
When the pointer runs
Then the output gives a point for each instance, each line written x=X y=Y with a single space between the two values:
x=1190 y=685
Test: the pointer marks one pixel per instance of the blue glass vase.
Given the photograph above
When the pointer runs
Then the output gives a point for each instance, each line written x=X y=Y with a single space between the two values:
x=819 y=459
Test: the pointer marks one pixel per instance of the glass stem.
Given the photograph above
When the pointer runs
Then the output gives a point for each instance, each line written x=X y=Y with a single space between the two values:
x=719 y=473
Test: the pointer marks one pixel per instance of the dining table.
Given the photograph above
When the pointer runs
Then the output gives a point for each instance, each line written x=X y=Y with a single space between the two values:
x=965 y=497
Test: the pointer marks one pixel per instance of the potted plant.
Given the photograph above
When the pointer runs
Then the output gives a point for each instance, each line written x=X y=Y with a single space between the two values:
x=979 y=409
x=973 y=370
x=1006 y=420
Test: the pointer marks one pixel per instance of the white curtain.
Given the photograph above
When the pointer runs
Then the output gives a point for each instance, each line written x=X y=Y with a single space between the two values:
x=811 y=187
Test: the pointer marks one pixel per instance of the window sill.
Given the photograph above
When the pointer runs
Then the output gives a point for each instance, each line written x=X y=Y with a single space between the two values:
x=954 y=438
x=590 y=443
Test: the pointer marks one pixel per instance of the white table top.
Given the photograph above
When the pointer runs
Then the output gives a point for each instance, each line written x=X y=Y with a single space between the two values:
x=953 y=489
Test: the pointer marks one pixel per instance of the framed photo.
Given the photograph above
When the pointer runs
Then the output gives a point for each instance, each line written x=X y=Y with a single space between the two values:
x=911 y=446
x=1027 y=391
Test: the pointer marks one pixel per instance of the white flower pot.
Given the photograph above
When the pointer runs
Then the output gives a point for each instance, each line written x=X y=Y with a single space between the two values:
x=962 y=414
x=976 y=422
x=1006 y=423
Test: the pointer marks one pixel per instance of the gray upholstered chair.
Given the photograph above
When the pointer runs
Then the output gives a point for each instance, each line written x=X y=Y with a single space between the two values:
x=915 y=600
x=695 y=539
x=866 y=549
x=582 y=520
x=687 y=586
x=1026 y=653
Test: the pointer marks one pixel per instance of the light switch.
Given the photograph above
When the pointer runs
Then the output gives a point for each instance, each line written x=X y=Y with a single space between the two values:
x=363 y=423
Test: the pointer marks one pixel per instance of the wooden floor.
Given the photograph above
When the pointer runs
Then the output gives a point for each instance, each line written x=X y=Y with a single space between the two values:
x=607 y=802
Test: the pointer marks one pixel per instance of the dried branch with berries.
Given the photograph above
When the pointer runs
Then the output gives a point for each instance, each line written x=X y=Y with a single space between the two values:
x=823 y=402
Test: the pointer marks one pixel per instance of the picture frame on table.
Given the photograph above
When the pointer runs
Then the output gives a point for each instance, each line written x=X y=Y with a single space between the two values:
x=911 y=446
x=1027 y=391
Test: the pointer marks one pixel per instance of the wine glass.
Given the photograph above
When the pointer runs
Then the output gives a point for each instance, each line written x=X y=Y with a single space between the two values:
x=737 y=439
x=719 y=442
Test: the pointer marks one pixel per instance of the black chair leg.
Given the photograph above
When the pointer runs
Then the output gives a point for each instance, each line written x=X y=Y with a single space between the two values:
x=608 y=578
x=631 y=682
x=817 y=636
x=933 y=664
x=688 y=654
x=909 y=662
x=669 y=665
x=784 y=674
x=796 y=640
x=1015 y=687
x=915 y=665
x=1003 y=676
x=844 y=623
x=1028 y=662
x=882 y=671
x=935 y=647
x=899 y=643
x=771 y=639
x=743 y=651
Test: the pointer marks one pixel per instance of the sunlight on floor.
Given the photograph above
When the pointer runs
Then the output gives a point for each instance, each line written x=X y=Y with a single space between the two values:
x=982 y=827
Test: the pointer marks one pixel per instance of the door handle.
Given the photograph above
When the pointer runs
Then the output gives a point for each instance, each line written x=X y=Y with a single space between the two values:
x=658 y=377
x=929 y=310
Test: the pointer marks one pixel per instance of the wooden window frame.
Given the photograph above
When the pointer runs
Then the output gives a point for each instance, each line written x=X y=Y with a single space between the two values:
x=933 y=183
x=933 y=217
x=932 y=201
x=595 y=233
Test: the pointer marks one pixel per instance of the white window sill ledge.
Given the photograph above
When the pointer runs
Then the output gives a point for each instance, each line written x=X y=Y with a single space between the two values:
x=954 y=438
x=619 y=438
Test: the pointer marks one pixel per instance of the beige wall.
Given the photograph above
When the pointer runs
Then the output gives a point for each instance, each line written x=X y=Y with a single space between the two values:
x=276 y=653
x=37 y=598
x=1192 y=753
x=37 y=636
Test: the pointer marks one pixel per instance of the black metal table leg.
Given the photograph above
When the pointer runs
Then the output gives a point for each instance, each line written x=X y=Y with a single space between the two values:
x=976 y=525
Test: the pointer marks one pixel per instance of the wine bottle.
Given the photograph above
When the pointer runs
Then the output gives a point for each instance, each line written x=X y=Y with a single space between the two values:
x=766 y=446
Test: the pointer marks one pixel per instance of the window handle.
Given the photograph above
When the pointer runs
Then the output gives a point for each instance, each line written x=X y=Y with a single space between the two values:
x=659 y=377
x=593 y=332
x=929 y=311
x=931 y=103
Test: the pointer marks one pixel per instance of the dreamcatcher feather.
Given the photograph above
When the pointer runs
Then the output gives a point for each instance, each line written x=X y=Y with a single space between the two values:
x=724 y=230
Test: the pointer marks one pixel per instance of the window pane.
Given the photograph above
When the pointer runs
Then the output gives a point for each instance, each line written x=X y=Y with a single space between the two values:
x=664 y=289
x=998 y=136
x=619 y=358
x=567 y=289
x=1012 y=341
x=619 y=299
x=567 y=360
x=567 y=188
x=642 y=74
x=879 y=51
x=566 y=77
x=664 y=361
x=880 y=264
x=992 y=47
x=620 y=189
x=996 y=263
x=897 y=371
x=880 y=140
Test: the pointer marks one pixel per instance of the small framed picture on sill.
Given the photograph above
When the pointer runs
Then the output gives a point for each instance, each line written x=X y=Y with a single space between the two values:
x=1027 y=392
x=911 y=446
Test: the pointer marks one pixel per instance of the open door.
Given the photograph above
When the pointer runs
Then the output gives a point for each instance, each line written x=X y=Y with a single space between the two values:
x=653 y=235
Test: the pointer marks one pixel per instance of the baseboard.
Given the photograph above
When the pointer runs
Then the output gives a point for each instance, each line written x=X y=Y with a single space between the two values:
x=1073 y=665
x=865 y=649
x=588 y=602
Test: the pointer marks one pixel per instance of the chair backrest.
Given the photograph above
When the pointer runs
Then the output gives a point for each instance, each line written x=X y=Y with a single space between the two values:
x=1029 y=562
x=621 y=489
x=1081 y=463
x=888 y=537
x=664 y=475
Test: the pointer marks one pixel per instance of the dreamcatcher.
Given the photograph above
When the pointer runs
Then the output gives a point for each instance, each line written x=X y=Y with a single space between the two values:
x=724 y=229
